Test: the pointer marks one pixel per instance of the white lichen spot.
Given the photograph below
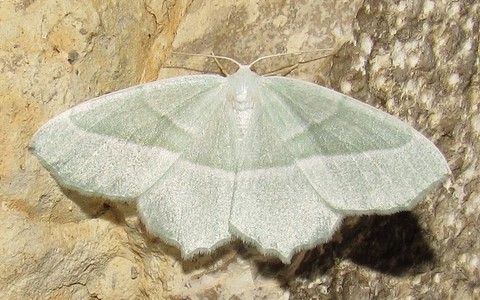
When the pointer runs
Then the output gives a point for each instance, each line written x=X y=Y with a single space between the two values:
x=314 y=283
x=413 y=45
x=417 y=280
x=399 y=22
x=368 y=8
x=380 y=62
x=324 y=289
x=454 y=10
x=475 y=263
x=427 y=97
x=437 y=278
x=468 y=24
x=398 y=55
x=425 y=28
x=411 y=87
x=359 y=66
x=453 y=79
x=462 y=258
x=466 y=48
x=393 y=32
x=428 y=7
x=345 y=87
x=412 y=60
x=366 y=43
x=401 y=6
x=434 y=120
x=379 y=82
x=390 y=104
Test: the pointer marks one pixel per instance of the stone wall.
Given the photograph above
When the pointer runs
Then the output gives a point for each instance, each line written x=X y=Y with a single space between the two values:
x=417 y=60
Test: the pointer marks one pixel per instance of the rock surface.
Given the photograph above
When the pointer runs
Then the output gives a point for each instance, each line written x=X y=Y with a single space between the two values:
x=418 y=60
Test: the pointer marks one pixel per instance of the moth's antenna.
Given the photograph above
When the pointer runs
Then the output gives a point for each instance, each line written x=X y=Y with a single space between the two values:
x=211 y=56
x=291 y=53
x=288 y=68
x=220 y=66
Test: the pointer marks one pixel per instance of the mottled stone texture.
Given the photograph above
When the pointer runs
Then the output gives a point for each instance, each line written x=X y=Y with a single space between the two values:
x=417 y=60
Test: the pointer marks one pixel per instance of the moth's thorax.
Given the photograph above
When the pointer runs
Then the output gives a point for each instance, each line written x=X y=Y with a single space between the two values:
x=242 y=89
x=242 y=93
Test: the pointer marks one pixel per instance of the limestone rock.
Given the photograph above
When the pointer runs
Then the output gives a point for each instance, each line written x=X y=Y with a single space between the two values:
x=417 y=60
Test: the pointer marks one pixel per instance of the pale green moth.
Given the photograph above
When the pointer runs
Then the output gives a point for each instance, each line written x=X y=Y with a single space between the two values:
x=274 y=161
